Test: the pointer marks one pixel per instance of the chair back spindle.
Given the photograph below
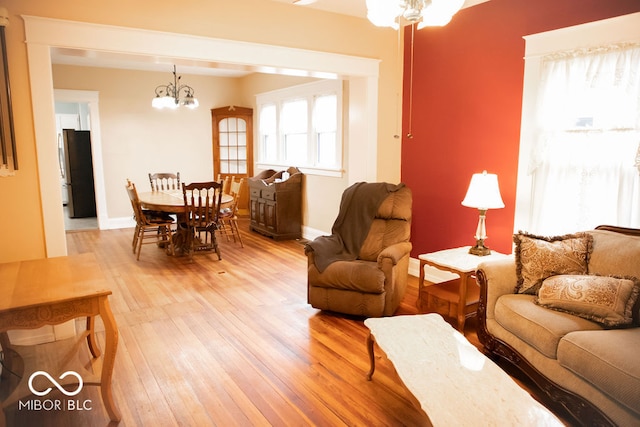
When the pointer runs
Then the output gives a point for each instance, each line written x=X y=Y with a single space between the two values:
x=164 y=181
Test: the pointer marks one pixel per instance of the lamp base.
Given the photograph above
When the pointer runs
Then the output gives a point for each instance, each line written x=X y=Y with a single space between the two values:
x=480 y=249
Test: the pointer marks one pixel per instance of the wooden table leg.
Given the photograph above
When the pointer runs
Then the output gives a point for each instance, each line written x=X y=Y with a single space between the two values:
x=462 y=303
x=420 y=285
x=110 y=347
x=91 y=336
x=372 y=359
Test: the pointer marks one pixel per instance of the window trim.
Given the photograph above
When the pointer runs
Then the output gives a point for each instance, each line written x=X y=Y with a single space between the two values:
x=308 y=91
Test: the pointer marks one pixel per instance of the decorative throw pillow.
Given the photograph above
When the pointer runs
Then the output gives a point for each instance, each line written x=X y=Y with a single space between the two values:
x=540 y=257
x=603 y=299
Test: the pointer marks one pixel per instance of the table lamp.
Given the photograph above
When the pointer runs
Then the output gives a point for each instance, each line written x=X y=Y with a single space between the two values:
x=483 y=194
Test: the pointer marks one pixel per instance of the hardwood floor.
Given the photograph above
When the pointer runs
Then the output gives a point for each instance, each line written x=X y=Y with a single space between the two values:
x=232 y=342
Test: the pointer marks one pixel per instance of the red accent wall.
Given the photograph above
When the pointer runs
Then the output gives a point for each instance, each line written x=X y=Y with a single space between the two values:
x=466 y=112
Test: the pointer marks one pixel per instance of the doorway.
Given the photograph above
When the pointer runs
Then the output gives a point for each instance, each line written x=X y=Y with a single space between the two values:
x=78 y=110
x=73 y=132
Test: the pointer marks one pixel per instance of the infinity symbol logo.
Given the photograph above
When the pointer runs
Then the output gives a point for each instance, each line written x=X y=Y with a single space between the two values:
x=58 y=386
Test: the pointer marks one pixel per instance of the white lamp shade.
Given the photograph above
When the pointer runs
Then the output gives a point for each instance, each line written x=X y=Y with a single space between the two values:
x=483 y=192
x=439 y=13
x=166 y=101
x=190 y=102
x=157 y=102
x=384 y=13
x=390 y=13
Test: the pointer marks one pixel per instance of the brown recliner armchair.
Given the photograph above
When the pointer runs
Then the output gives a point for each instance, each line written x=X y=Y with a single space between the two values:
x=374 y=283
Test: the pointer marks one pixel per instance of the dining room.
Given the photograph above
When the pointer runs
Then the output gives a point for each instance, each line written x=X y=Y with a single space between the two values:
x=134 y=136
x=137 y=139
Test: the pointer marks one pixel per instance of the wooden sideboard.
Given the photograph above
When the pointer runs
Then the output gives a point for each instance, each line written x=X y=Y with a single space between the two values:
x=275 y=205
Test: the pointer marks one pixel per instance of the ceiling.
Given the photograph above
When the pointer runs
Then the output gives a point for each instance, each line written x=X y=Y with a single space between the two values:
x=348 y=7
x=86 y=58
x=344 y=7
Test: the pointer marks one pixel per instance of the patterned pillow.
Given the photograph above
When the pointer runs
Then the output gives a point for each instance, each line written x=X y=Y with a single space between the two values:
x=540 y=257
x=603 y=299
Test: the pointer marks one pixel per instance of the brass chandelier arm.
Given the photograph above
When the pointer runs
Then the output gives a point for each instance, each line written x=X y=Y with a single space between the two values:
x=169 y=90
x=172 y=90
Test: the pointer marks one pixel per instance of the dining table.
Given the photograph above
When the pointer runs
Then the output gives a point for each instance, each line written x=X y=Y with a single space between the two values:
x=172 y=202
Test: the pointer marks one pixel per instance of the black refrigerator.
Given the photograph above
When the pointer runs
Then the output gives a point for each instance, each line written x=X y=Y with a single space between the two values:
x=78 y=173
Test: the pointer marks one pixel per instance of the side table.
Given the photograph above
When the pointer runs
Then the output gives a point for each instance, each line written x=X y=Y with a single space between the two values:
x=48 y=292
x=459 y=297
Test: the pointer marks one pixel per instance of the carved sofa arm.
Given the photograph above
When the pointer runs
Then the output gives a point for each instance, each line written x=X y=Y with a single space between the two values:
x=496 y=278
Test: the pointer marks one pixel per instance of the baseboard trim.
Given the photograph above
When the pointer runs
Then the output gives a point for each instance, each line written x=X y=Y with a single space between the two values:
x=310 y=233
x=115 y=223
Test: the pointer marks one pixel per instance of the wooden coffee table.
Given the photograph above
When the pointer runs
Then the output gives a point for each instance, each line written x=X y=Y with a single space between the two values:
x=453 y=382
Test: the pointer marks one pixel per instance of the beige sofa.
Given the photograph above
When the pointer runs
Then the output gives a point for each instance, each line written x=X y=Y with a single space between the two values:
x=590 y=369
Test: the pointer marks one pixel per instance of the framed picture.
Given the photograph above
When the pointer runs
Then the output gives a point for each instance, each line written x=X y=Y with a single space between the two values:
x=7 y=134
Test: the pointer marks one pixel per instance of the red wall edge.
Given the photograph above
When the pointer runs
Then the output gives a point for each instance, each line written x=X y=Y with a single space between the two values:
x=467 y=102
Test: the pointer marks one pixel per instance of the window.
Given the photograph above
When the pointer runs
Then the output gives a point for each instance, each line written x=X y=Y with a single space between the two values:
x=579 y=155
x=268 y=134
x=301 y=126
x=295 y=126
x=588 y=131
x=325 y=125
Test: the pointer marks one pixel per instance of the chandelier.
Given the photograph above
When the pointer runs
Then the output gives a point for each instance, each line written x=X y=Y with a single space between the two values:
x=426 y=13
x=168 y=96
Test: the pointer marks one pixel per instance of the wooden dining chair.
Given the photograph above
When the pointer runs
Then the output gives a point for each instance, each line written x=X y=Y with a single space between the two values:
x=164 y=181
x=149 y=227
x=234 y=187
x=202 y=210
x=229 y=215
x=226 y=183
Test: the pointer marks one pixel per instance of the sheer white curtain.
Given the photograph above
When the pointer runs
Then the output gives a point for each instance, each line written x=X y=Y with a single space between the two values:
x=585 y=164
